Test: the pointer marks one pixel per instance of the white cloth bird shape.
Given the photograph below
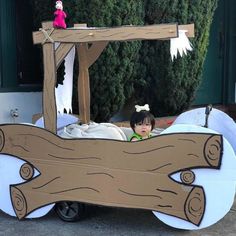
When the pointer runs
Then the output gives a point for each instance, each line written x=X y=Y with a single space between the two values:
x=180 y=44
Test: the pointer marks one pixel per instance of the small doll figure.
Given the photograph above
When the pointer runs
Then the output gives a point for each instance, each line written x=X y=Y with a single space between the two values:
x=60 y=15
x=142 y=122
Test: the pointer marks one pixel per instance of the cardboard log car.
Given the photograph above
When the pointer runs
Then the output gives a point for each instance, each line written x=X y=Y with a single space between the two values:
x=40 y=168
x=110 y=172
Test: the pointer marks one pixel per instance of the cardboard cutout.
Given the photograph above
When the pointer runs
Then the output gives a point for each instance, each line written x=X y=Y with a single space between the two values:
x=217 y=120
x=108 y=172
x=218 y=184
x=62 y=121
x=10 y=174
x=115 y=173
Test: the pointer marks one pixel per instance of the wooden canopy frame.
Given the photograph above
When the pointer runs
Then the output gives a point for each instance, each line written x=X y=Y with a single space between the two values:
x=89 y=43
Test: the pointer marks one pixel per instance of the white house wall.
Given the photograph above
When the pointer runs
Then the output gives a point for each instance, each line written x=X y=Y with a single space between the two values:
x=26 y=103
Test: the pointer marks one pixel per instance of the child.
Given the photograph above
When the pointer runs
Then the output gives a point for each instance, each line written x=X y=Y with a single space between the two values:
x=142 y=122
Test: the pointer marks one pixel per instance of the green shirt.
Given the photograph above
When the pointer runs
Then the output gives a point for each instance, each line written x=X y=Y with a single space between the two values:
x=138 y=137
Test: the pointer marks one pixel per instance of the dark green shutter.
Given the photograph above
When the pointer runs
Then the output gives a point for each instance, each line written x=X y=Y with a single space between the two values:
x=7 y=44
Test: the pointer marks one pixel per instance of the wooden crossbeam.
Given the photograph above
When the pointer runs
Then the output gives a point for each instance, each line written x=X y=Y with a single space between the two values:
x=189 y=28
x=62 y=51
x=123 y=33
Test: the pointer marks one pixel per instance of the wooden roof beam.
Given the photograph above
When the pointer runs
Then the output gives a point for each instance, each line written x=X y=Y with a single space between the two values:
x=123 y=33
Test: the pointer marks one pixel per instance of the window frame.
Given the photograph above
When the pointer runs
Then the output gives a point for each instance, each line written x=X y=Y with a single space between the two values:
x=9 y=81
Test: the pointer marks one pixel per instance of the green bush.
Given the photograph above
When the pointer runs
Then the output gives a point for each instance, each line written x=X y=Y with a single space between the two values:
x=170 y=86
x=112 y=75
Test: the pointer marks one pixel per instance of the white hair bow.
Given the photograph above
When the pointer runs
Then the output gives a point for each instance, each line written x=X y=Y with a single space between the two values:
x=142 y=108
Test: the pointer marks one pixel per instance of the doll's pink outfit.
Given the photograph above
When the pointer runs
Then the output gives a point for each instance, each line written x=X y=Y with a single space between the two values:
x=59 y=21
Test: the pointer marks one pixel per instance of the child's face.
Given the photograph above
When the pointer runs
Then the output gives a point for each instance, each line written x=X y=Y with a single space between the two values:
x=143 y=128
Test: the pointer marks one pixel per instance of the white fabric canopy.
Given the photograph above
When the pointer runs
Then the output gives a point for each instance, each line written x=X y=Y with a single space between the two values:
x=64 y=92
x=180 y=44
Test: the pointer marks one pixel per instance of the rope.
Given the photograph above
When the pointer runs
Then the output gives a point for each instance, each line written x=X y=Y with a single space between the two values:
x=47 y=35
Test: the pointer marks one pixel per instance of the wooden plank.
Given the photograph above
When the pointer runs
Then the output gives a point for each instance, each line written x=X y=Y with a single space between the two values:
x=83 y=83
x=95 y=51
x=50 y=73
x=123 y=33
x=47 y=24
x=80 y=25
x=49 y=99
x=190 y=29
x=62 y=51
x=35 y=117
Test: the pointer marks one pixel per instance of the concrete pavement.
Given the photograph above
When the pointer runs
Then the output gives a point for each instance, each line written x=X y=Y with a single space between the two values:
x=110 y=221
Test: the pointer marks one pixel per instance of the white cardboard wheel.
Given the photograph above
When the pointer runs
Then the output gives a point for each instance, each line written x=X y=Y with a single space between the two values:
x=218 y=184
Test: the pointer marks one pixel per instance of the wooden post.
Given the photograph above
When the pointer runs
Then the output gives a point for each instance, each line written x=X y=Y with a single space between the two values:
x=62 y=51
x=87 y=56
x=83 y=83
x=49 y=99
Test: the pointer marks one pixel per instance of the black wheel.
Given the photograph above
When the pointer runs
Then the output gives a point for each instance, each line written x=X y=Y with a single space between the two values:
x=70 y=211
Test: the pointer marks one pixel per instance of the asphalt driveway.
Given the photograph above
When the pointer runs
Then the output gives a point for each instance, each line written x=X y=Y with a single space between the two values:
x=110 y=221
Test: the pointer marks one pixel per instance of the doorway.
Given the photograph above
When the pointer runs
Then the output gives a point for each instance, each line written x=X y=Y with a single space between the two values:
x=218 y=79
x=211 y=87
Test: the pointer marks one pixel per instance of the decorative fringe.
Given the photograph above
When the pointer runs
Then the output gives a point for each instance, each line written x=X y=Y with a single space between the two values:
x=180 y=44
x=64 y=92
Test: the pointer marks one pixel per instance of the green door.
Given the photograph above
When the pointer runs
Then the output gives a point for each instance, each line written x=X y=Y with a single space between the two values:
x=7 y=44
x=230 y=58
x=211 y=88
x=219 y=74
